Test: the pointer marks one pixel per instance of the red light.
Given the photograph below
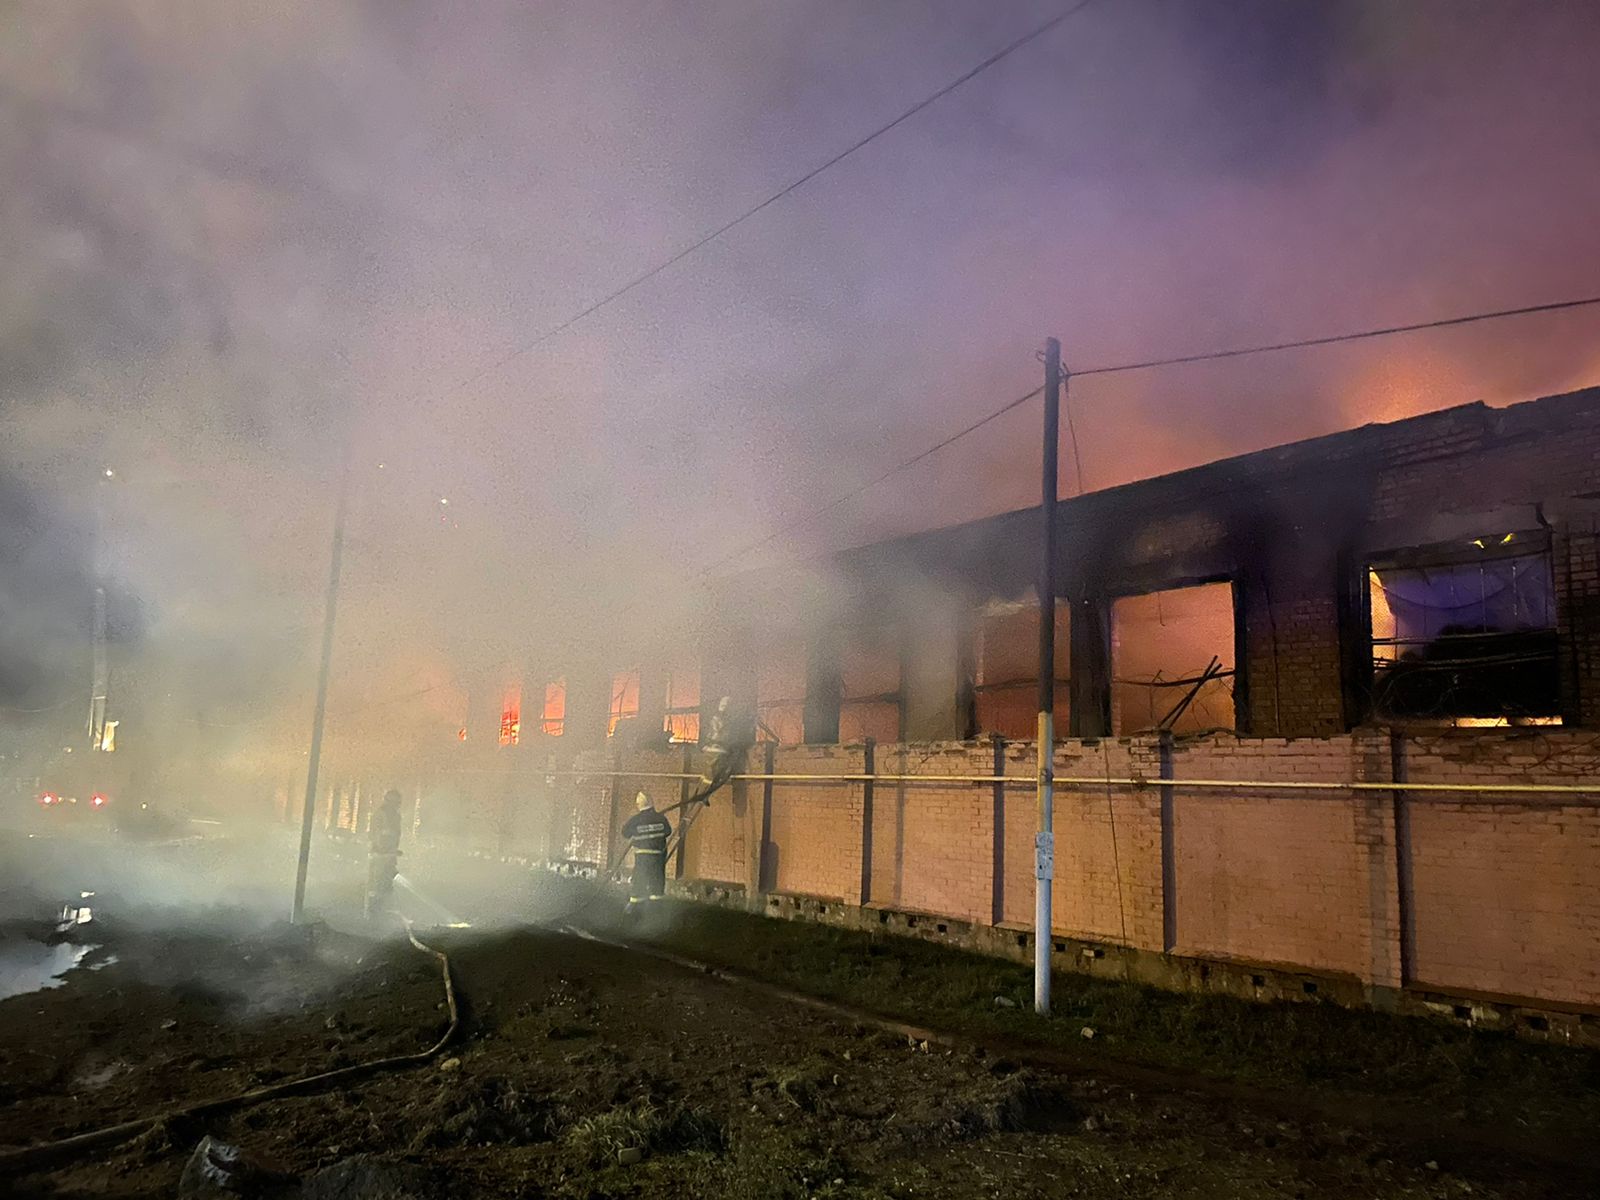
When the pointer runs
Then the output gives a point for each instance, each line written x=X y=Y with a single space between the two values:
x=49 y=798
x=98 y=800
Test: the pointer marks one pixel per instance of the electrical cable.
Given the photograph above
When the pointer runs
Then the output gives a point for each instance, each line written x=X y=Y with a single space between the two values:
x=845 y=497
x=1116 y=855
x=33 y=1158
x=1332 y=339
x=27 y=712
x=1144 y=365
x=644 y=277
x=1072 y=432
x=208 y=160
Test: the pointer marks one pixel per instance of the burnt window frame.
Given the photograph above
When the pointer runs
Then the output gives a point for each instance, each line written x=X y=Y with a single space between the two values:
x=794 y=707
x=693 y=712
x=617 y=711
x=979 y=615
x=1456 y=552
x=1237 y=675
x=887 y=636
x=553 y=727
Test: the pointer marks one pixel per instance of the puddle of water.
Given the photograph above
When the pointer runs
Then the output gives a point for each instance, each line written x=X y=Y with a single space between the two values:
x=29 y=966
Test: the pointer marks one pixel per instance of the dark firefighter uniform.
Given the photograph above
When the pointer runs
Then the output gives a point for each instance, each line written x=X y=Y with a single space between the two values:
x=383 y=852
x=647 y=832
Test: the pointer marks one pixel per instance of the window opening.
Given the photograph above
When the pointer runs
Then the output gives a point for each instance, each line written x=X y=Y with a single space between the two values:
x=624 y=699
x=511 y=717
x=869 y=686
x=682 y=722
x=1172 y=660
x=553 y=720
x=1466 y=635
x=1006 y=689
x=781 y=694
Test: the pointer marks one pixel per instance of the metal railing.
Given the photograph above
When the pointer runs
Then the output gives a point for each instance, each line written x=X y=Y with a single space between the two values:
x=1130 y=781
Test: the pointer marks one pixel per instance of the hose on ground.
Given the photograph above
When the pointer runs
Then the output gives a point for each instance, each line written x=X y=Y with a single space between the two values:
x=33 y=1158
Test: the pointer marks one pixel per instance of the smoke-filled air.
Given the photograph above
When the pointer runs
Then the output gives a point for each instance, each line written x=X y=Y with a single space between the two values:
x=439 y=442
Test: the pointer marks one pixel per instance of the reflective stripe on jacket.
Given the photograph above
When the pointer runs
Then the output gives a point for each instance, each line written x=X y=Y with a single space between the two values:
x=648 y=832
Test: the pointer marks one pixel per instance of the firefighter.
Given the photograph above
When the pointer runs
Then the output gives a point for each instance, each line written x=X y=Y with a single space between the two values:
x=383 y=852
x=647 y=832
x=716 y=740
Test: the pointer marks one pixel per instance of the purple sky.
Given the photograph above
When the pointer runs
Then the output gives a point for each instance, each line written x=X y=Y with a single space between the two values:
x=227 y=228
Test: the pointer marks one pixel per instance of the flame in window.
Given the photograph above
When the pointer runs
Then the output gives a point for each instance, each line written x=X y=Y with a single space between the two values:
x=554 y=717
x=511 y=718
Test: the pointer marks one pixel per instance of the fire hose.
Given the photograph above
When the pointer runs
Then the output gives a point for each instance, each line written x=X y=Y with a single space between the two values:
x=32 y=1158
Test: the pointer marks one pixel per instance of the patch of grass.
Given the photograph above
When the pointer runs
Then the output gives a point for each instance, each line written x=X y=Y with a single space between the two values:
x=1480 y=1076
x=599 y=1139
x=799 y=1086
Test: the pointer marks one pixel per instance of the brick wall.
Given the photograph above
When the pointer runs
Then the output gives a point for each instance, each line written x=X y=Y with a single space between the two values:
x=1103 y=883
x=814 y=830
x=1274 y=876
x=1292 y=661
x=1577 y=572
x=1504 y=893
x=717 y=846
x=1467 y=460
x=933 y=844
x=1508 y=901
x=587 y=818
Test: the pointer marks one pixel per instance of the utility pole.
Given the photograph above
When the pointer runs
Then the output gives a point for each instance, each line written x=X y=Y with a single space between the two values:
x=308 y=813
x=1044 y=841
x=100 y=684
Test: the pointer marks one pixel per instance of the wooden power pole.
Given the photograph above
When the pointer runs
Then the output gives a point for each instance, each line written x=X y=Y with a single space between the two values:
x=1044 y=849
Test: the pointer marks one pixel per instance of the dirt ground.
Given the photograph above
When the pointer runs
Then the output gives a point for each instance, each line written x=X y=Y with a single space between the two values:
x=575 y=1053
x=583 y=1070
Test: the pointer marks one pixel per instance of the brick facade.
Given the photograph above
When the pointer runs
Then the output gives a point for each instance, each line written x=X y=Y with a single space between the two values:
x=1293 y=529
x=1394 y=891
x=1501 y=893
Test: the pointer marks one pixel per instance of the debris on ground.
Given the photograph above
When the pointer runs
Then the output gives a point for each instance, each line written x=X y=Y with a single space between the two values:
x=590 y=1074
x=219 y=1170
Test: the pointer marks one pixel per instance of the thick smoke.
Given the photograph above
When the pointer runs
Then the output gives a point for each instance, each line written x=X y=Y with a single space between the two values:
x=44 y=593
x=237 y=239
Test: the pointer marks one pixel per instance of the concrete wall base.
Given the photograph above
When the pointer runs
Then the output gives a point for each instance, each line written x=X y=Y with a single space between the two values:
x=1262 y=982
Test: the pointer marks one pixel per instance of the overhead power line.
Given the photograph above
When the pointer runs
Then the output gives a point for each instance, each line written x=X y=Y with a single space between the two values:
x=35 y=711
x=846 y=497
x=1331 y=339
x=644 y=277
x=224 y=164
x=1144 y=365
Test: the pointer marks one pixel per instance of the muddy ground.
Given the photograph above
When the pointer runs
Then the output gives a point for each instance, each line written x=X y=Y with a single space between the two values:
x=575 y=1054
x=583 y=1070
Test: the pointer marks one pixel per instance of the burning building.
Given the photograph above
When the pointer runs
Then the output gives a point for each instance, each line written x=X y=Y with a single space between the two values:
x=1436 y=571
x=1384 y=638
